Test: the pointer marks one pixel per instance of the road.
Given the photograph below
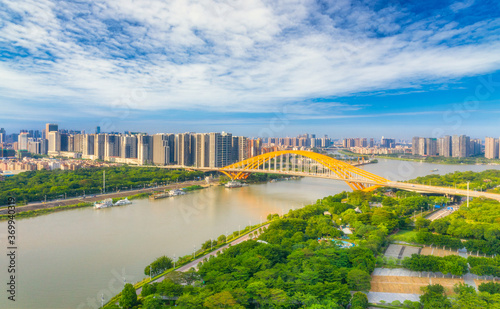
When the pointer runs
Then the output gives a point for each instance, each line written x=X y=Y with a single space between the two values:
x=194 y=263
x=100 y=197
x=442 y=213
x=441 y=190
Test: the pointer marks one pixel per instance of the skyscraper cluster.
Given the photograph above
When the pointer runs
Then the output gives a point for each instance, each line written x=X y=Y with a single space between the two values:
x=458 y=146
x=360 y=142
x=302 y=140
x=186 y=149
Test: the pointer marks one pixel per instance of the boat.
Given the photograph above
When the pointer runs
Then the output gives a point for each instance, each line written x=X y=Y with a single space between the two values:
x=233 y=184
x=434 y=170
x=123 y=202
x=176 y=192
x=104 y=204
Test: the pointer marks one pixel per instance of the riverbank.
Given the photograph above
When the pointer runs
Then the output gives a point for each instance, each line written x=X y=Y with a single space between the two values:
x=446 y=161
x=199 y=257
x=37 y=209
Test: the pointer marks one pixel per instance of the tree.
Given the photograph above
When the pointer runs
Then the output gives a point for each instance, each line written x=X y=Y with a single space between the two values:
x=241 y=296
x=490 y=287
x=468 y=298
x=223 y=299
x=221 y=240
x=191 y=301
x=389 y=201
x=169 y=288
x=159 y=265
x=421 y=223
x=152 y=302
x=129 y=297
x=148 y=289
x=383 y=217
x=208 y=244
x=358 y=280
x=454 y=264
x=439 y=226
x=359 y=301
x=362 y=258
x=434 y=297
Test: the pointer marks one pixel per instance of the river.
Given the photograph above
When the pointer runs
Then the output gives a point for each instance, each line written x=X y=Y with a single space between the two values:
x=69 y=259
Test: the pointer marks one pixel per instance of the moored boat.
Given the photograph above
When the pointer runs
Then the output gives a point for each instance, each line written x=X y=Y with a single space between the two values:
x=122 y=202
x=103 y=204
x=233 y=184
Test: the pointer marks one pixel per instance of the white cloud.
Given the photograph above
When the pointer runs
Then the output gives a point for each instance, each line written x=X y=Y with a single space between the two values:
x=228 y=55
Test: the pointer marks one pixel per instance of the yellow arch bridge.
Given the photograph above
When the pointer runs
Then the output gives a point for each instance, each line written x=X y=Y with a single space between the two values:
x=305 y=163
x=311 y=164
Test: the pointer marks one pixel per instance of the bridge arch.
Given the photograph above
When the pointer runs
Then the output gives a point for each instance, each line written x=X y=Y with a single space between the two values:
x=305 y=163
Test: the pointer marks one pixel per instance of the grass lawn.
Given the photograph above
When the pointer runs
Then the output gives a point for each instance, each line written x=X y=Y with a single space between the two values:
x=404 y=235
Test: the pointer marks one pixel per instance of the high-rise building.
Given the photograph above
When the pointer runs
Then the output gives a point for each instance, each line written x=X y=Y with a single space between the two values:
x=422 y=146
x=475 y=147
x=163 y=145
x=491 y=148
x=460 y=146
x=78 y=143
x=144 y=149
x=415 y=146
x=242 y=148
x=99 y=146
x=37 y=146
x=254 y=147
x=201 y=150
x=22 y=141
x=111 y=146
x=64 y=141
x=2 y=135
x=445 y=146
x=431 y=147
x=88 y=145
x=387 y=142
x=348 y=143
x=227 y=147
x=128 y=146
x=71 y=143
x=220 y=149
x=49 y=127
x=235 y=150
x=183 y=149
x=54 y=138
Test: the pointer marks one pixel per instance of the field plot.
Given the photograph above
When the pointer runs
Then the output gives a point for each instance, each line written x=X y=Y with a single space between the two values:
x=437 y=252
x=479 y=281
x=409 y=285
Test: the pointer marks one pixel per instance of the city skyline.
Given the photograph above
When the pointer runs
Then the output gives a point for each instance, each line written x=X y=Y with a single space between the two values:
x=39 y=133
x=253 y=68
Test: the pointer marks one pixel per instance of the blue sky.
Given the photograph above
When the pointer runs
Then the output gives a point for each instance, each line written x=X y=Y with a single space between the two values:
x=257 y=68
